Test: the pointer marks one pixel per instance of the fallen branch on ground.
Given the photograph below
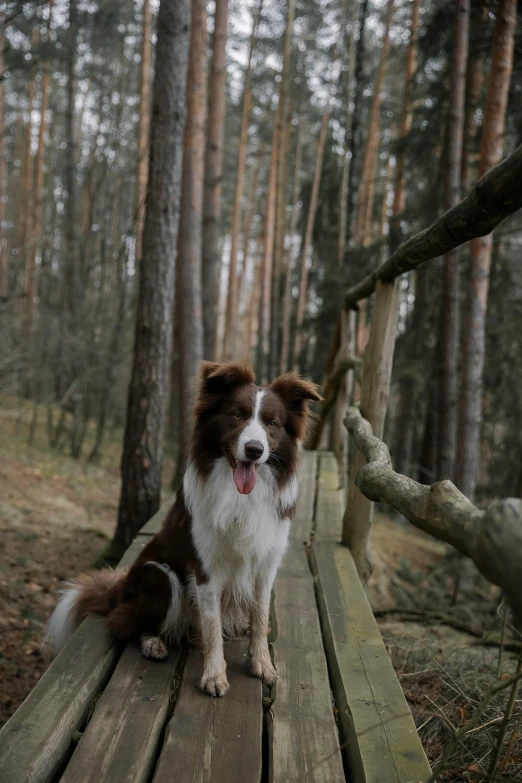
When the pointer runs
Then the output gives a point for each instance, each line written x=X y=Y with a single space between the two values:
x=491 y=538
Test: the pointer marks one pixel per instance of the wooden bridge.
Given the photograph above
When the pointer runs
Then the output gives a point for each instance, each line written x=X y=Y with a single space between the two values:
x=337 y=712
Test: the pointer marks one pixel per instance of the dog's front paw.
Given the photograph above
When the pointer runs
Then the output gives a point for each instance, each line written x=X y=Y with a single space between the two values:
x=261 y=666
x=214 y=684
x=153 y=648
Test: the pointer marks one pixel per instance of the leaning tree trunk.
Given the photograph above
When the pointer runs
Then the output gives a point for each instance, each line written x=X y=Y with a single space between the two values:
x=143 y=127
x=449 y=313
x=191 y=224
x=142 y=448
x=213 y=178
x=480 y=254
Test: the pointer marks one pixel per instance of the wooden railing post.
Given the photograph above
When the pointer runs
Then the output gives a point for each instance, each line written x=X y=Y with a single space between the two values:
x=344 y=397
x=375 y=389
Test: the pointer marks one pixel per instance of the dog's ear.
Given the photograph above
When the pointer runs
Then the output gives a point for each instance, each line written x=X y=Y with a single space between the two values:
x=217 y=376
x=295 y=391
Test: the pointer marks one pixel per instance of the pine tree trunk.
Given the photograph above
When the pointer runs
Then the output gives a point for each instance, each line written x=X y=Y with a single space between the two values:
x=367 y=184
x=480 y=254
x=231 y=309
x=72 y=272
x=26 y=201
x=347 y=136
x=4 y=265
x=248 y=261
x=288 y=257
x=142 y=449
x=399 y=192
x=143 y=127
x=307 y=241
x=268 y=255
x=283 y=120
x=191 y=223
x=36 y=228
x=474 y=82
x=449 y=314
x=356 y=124
x=213 y=177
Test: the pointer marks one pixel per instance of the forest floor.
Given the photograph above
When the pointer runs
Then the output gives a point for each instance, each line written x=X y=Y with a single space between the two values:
x=438 y=617
x=57 y=515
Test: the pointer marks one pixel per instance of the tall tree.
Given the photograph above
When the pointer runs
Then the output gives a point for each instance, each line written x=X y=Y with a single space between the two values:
x=283 y=121
x=288 y=256
x=142 y=448
x=473 y=341
x=4 y=266
x=143 y=126
x=191 y=224
x=231 y=308
x=449 y=314
x=213 y=177
x=307 y=240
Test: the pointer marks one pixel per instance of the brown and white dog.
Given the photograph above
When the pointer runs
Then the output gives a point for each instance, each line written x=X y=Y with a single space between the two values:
x=212 y=566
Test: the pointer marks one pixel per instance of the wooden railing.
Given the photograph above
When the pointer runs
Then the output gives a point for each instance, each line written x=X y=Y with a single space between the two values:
x=496 y=196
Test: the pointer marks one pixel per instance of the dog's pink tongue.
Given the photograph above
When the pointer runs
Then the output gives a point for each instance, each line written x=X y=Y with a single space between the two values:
x=245 y=477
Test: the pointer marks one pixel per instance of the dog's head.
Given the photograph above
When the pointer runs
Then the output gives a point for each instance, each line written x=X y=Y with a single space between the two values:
x=248 y=424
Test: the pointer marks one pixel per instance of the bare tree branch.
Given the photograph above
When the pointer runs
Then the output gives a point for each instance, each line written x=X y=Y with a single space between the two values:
x=491 y=538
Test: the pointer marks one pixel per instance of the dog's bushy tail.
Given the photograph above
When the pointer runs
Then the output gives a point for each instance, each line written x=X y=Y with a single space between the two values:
x=97 y=592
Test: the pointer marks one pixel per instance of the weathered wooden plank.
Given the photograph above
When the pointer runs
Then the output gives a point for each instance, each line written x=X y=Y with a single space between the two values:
x=154 y=524
x=382 y=742
x=121 y=740
x=330 y=499
x=302 y=523
x=35 y=742
x=212 y=740
x=305 y=743
x=137 y=546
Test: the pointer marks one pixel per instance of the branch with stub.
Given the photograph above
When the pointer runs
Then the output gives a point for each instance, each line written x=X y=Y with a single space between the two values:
x=491 y=538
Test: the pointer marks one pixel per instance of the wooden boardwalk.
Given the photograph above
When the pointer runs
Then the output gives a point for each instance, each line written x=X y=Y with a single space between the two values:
x=337 y=712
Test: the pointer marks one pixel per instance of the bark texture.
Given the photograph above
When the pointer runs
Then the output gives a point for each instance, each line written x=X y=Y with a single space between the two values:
x=142 y=449
x=191 y=225
x=450 y=305
x=491 y=538
x=4 y=266
x=143 y=126
x=480 y=251
x=214 y=177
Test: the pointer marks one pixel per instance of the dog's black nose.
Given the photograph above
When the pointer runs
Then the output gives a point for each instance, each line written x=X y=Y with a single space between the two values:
x=253 y=449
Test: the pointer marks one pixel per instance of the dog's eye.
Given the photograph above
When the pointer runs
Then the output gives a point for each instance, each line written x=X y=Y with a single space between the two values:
x=236 y=415
x=272 y=424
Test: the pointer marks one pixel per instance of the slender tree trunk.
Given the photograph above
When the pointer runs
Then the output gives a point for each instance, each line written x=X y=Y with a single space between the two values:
x=248 y=261
x=73 y=274
x=356 y=124
x=26 y=200
x=231 y=309
x=307 y=241
x=480 y=254
x=191 y=224
x=213 y=177
x=268 y=255
x=367 y=184
x=288 y=257
x=474 y=82
x=449 y=316
x=347 y=136
x=4 y=265
x=253 y=307
x=143 y=127
x=283 y=122
x=399 y=190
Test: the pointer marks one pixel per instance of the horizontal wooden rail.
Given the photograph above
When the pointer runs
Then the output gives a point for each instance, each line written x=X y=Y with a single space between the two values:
x=491 y=538
x=496 y=196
